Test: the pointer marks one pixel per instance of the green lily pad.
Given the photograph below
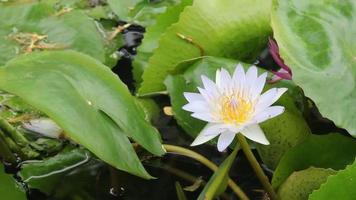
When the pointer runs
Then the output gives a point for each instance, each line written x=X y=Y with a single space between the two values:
x=338 y=186
x=150 y=108
x=71 y=30
x=152 y=35
x=141 y=12
x=233 y=29
x=46 y=174
x=300 y=184
x=88 y=101
x=333 y=151
x=317 y=40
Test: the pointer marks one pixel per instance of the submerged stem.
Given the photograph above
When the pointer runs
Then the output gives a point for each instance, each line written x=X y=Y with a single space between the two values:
x=182 y=174
x=13 y=133
x=192 y=154
x=188 y=177
x=5 y=151
x=256 y=167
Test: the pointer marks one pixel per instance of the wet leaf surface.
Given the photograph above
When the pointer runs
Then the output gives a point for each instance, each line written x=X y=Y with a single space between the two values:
x=316 y=39
x=333 y=151
x=94 y=111
x=209 y=28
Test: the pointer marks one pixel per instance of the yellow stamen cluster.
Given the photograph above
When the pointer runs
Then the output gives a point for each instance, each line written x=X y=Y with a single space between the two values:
x=235 y=109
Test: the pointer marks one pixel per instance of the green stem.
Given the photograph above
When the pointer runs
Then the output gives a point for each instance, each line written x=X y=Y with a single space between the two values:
x=182 y=174
x=5 y=151
x=256 y=167
x=15 y=148
x=192 y=154
x=13 y=133
x=188 y=177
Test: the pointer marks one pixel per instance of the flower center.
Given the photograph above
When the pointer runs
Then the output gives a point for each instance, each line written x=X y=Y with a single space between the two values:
x=235 y=109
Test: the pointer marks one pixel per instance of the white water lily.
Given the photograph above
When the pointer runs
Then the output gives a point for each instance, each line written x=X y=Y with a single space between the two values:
x=233 y=105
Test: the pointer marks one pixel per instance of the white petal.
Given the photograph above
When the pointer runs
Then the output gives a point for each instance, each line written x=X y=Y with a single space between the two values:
x=204 y=116
x=212 y=129
x=210 y=88
x=251 y=75
x=196 y=106
x=225 y=140
x=224 y=80
x=239 y=72
x=235 y=129
x=225 y=75
x=218 y=78
x=208 y=95
x=217 y=128
x=44 y=126
x=209 y=85
x=268 y=113
x=268 y=98
x=190 y=96
x=254 y=132
x=258 y=86
x=209 y=132
x=200 y=139
x=239 y=77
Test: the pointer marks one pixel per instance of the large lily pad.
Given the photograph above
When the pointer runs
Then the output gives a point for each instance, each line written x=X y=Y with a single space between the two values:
x=333 y=151
x=300 y=184
x=71 y=30
x=87 y=100
x=141 y=12
x=152 y=35
x=233 y=29
x=317 y=40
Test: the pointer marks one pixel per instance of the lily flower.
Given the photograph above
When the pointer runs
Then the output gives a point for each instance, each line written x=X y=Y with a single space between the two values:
x=233 y=105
